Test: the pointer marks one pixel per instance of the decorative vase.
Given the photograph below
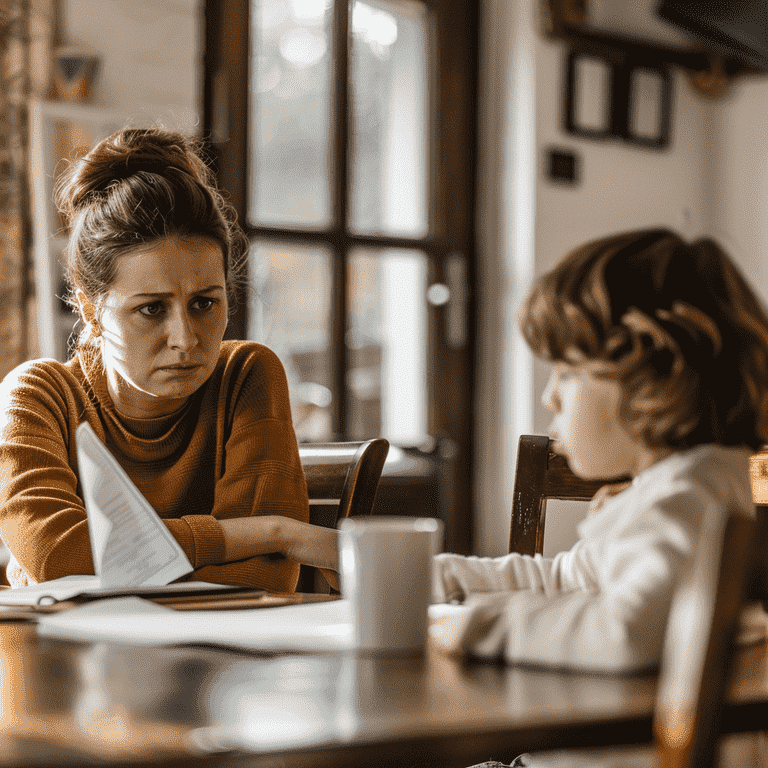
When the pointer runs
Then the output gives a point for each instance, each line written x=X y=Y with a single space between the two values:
x=74 y=71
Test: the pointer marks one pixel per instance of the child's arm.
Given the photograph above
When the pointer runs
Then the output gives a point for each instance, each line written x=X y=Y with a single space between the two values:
x=457 y=577
x=618 y=628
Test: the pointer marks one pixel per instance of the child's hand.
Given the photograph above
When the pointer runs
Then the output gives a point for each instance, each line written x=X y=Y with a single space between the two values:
x=605 y=493
x=444 y=633
x=447 y=587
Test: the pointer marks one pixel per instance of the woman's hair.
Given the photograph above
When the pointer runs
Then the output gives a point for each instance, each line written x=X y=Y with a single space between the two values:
x=134 y=187
x=674 y=322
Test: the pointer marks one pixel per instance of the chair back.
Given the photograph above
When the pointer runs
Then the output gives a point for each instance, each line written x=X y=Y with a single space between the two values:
x=758 y=470
x=541 y=474
x=342 y=481
x=342 y=478
x=698 y=646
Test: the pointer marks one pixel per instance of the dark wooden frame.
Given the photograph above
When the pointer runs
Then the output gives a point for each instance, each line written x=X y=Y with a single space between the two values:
x=342 y=481
x=620 y=102
x=542 y=474
x=452 y=195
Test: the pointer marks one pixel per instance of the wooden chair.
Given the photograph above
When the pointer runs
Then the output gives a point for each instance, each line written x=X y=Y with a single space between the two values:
x=698 y=647
x=542 y=474
x=696 y=661
x=342 y=480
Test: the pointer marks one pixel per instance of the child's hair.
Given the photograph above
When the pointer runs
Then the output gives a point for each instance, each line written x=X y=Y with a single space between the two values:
x=134 y=187
x=674 y=322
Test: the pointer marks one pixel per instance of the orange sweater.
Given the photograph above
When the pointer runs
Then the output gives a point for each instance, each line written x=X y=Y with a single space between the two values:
x=229 y=452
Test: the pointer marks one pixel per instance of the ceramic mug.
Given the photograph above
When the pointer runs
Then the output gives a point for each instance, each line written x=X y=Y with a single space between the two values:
x=386 y=567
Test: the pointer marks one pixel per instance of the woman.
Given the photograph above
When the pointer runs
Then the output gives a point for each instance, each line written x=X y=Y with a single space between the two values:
x=202 y=426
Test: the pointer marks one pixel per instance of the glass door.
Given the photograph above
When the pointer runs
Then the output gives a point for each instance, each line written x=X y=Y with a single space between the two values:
x=348 y=152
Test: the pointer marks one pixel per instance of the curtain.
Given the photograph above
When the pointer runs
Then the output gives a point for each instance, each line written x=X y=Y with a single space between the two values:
x=15 y=225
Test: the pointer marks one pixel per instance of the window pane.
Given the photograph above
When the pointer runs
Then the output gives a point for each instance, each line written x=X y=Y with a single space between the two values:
x=389 y=118
x=290 y=312
x=289 y=112
x=387 y=343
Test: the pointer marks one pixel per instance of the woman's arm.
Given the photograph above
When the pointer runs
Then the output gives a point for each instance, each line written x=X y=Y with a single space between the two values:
x=260 y=508
x=313 y=545
x=43 y=521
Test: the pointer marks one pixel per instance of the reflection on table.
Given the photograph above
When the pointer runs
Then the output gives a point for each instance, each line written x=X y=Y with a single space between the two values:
x=66 y=703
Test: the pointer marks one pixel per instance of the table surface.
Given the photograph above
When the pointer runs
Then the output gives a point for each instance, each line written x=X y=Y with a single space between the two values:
x=65 y=703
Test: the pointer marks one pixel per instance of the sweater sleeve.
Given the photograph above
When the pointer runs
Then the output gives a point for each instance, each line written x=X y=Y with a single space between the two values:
x=262 y=475
x=43 y=520
x=615 y=626
x=456 y=577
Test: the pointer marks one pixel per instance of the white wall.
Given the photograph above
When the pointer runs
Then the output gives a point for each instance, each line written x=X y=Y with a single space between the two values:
x=151 y=57
x=739 y=183
x=713 y=179
x=622 y=187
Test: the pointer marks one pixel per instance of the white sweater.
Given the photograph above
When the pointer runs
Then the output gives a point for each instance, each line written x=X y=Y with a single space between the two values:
x=602 y=605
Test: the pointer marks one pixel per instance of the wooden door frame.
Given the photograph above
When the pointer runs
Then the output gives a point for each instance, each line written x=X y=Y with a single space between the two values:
x=451 y=378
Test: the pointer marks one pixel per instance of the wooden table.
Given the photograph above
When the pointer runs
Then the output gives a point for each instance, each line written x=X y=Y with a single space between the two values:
x=78 y=704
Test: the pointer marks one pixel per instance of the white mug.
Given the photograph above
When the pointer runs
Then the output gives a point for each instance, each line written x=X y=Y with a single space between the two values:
x=386 y=575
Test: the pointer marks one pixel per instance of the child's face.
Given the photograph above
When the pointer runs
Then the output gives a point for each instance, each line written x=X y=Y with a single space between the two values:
x=586 y=425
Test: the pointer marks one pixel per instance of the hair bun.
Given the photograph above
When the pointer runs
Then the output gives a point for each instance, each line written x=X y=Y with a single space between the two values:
x=123 y=155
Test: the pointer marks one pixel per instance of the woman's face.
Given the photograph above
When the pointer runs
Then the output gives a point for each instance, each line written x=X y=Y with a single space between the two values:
x=161 y=324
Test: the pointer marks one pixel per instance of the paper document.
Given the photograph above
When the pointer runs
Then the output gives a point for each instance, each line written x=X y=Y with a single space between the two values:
x=68 y=587
x=130 y=543
x=309 y=628
x=132 y=547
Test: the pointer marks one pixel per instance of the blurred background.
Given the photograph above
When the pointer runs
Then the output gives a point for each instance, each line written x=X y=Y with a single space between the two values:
x=403 y=170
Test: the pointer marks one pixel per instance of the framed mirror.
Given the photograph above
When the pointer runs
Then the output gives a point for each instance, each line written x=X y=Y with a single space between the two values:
x=653 y=32
x=618 y=65
x=626 y=100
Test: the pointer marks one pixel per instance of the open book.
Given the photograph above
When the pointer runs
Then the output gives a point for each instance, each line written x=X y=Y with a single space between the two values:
x=133 y=550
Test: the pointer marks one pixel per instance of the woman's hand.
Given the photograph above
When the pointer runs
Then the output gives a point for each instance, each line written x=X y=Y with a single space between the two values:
x=311 y=544
x=304 y=543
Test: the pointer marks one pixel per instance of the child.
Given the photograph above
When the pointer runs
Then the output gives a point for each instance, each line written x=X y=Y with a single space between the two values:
x=660 y=372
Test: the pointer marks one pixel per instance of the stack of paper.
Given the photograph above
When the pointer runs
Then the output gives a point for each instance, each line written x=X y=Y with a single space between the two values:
x=310 y=628
x=133 y=550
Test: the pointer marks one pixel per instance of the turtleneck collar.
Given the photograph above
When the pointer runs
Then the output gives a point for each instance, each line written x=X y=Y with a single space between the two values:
x=157 y=437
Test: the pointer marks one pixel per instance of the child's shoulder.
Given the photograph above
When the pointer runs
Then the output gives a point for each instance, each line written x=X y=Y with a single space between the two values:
x=719 y=471
x=703 y=461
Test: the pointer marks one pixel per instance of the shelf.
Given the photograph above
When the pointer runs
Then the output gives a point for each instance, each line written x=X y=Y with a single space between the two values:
x=55 y=325
x=77 y=113
x=614 y=47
